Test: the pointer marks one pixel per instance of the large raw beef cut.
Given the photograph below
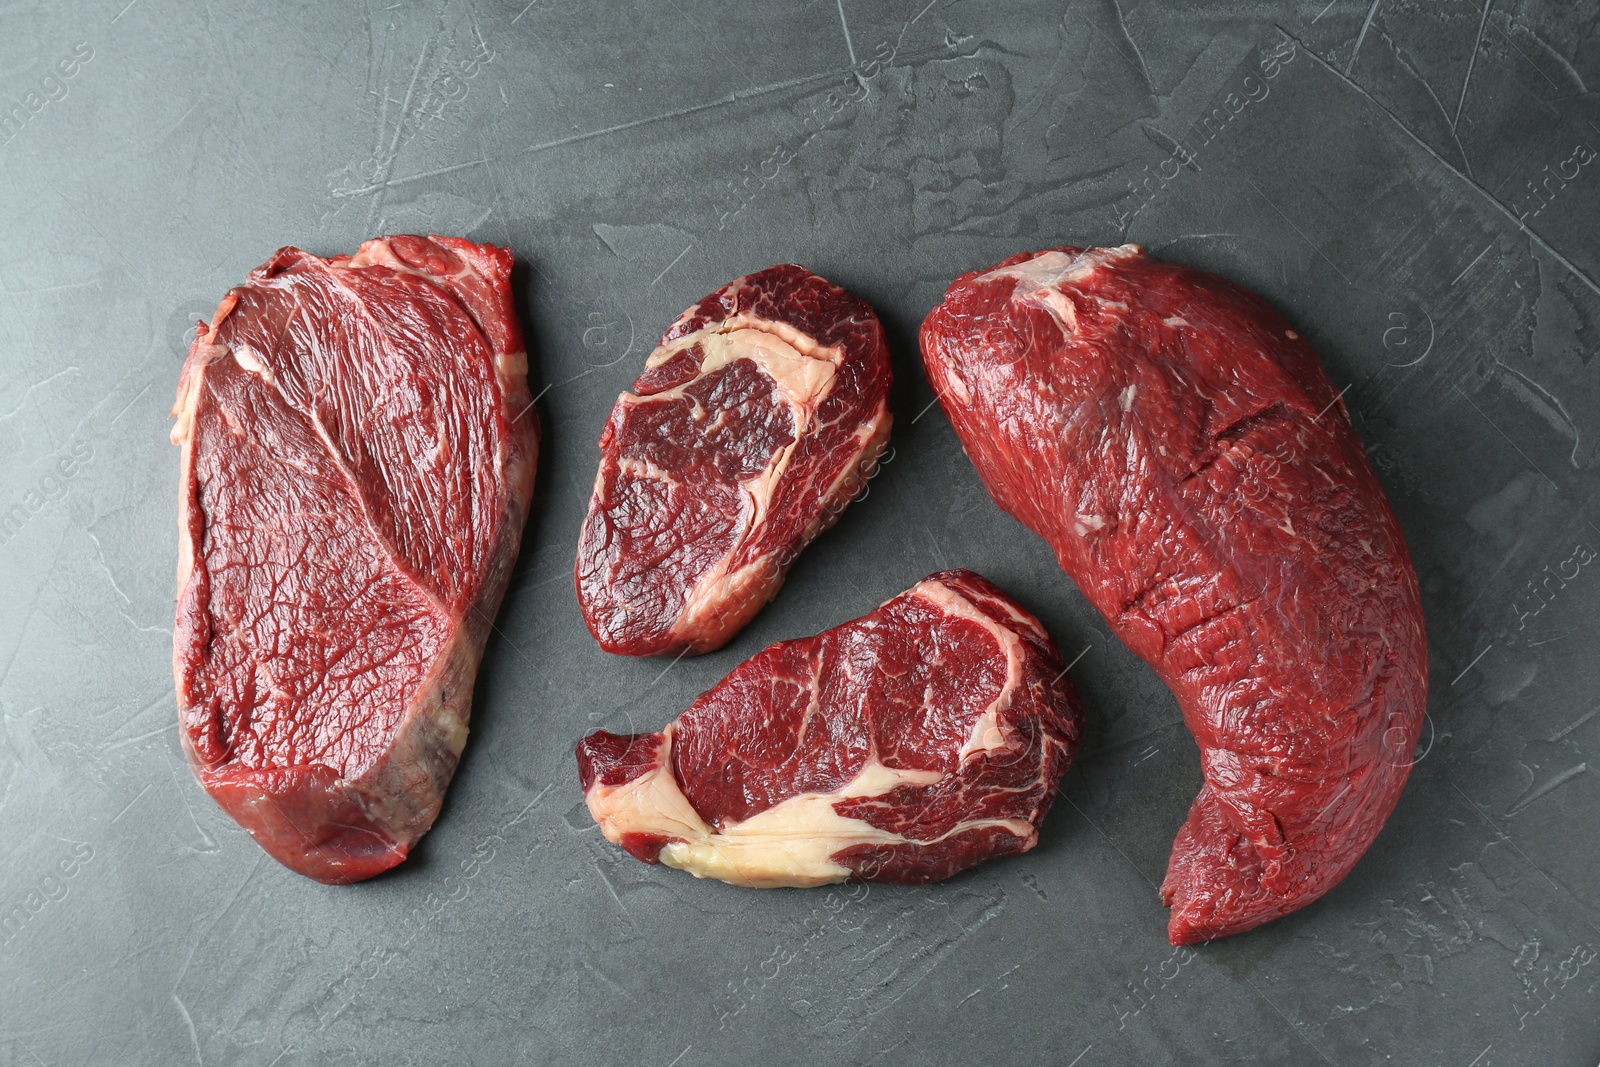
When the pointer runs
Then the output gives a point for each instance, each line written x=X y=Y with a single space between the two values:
x=912 y=743
x=1181 y=449
x=358 y=457
x=756 y=421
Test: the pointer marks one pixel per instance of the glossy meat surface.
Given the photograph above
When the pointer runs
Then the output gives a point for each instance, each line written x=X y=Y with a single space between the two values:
x=755 y=422
x=1182 y=450
x=358 y=455
x=904 y=746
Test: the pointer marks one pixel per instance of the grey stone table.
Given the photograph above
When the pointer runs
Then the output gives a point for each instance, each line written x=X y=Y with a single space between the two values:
x=1413 y=182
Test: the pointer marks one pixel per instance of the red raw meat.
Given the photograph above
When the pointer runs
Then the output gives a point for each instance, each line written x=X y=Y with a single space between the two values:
x=905 y=746
x=358 y=457
x=756 y=421
x=1181 y=449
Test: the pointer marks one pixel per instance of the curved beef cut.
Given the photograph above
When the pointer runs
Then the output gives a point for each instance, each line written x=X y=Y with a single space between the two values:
x=756 y=421
x=912 y=743
x=358 y=457
x=1181 y=449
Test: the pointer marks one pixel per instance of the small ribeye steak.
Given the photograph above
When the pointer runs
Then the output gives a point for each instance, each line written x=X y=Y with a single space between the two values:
x=358 y=458
x=757 y=419
x=912 y=743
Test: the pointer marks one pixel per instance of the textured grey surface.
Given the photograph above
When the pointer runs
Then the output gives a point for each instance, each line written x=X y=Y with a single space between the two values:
x=1378 y=186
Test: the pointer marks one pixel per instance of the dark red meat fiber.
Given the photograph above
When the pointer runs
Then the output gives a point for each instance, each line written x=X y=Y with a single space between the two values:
x=1181 y=449
x=358 y=457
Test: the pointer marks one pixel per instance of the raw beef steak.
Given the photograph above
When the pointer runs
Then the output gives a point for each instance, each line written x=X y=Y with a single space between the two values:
x=905 y=746
x=358 y=457
x=1181 y=449
x=757 y=419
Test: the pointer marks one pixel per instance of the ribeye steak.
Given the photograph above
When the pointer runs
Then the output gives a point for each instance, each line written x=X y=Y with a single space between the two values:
x=756 y=421
x=1182 y=450
x=358 y=458
x=912 y=743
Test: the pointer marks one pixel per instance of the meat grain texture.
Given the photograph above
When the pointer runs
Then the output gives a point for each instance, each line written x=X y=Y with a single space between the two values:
x=358 y=454
x=1183 y=452
x=755 y=422
x=912 y=743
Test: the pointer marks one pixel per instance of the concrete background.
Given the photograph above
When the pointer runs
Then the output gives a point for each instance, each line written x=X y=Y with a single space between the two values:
x=1413 y=183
